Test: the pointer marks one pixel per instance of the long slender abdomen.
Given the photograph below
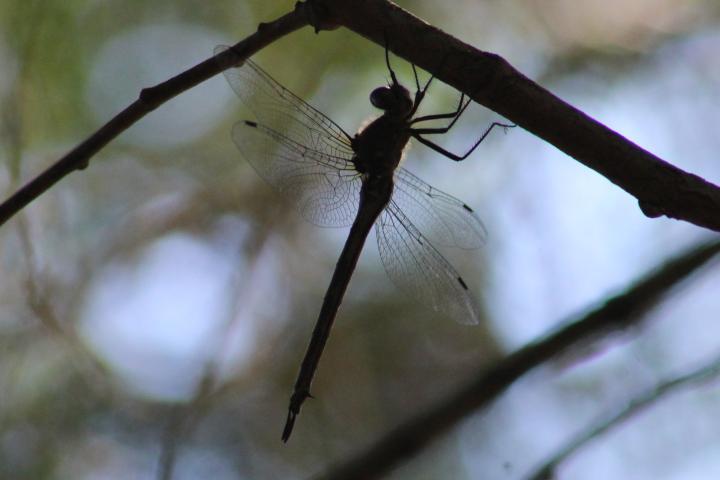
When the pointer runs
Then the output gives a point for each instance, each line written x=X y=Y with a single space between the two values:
x=374 y=196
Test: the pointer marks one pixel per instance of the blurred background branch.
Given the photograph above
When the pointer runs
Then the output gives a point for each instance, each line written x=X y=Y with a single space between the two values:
x=634 y=406
x=184 y=418
x=149 y=100
x=621 y=311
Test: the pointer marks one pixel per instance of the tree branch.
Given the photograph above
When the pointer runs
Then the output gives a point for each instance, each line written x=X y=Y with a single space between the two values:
x=635 y=406
x=660 y=188
x=148 y=100
x=620 y=311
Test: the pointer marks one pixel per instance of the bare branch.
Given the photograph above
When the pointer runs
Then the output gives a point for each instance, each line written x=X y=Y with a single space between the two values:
x=621 y=311
x=661 y=188
x=149 y=100
x=707 y=372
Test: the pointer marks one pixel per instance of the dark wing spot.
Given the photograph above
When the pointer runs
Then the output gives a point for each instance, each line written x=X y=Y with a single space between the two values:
x=251 y=124
x=467 y=208
x=462 y=283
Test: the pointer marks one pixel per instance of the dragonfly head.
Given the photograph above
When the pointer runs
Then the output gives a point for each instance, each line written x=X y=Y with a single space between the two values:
x=394 y=99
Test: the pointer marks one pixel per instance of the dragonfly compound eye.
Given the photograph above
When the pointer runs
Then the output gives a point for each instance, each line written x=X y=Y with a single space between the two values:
x=381 y=98
x=395 y=99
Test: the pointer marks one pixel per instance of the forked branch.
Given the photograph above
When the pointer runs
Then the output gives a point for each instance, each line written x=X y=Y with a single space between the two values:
x=660 y=188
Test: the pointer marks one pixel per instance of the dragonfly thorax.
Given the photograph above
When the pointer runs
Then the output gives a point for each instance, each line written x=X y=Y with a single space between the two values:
x=379 y=146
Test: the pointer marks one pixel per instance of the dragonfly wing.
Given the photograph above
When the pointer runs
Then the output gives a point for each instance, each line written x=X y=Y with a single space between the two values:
x=442 y=217
x=322 y=187
x=295 y=147
x=418 y=269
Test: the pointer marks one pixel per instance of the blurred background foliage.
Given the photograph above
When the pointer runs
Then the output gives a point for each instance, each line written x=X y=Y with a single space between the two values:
x=154 y=308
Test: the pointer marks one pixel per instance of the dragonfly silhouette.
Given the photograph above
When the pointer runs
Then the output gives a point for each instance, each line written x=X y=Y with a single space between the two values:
x=336 y=179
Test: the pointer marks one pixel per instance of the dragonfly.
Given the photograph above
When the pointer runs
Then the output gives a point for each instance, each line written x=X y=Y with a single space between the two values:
x=336 y=179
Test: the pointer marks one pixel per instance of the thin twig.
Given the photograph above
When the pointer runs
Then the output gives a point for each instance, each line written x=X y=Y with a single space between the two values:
x=149 y=100
x=621 y=311
x=707 y=372
x=182 y=420
x=660 y=188
x=171 y=439
x=37 y=298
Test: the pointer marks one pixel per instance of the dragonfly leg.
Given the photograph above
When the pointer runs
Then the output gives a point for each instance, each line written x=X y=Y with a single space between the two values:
x=462 y=105
x=387 y=60
x=453 y=156
x=419 y=91
x=420 y=94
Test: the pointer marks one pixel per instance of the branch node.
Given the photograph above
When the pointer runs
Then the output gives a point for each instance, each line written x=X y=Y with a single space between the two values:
x=148 y=97
x=649 y=209
x=317 y=15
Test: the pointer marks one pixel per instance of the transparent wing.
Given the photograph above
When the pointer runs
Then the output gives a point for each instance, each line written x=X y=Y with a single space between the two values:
x=322 y=188
x=418 y=269
x=295 y=148
x=440 y=216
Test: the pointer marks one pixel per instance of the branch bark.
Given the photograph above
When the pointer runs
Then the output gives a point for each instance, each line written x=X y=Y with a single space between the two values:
x=621 y=311
x=660 y=188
